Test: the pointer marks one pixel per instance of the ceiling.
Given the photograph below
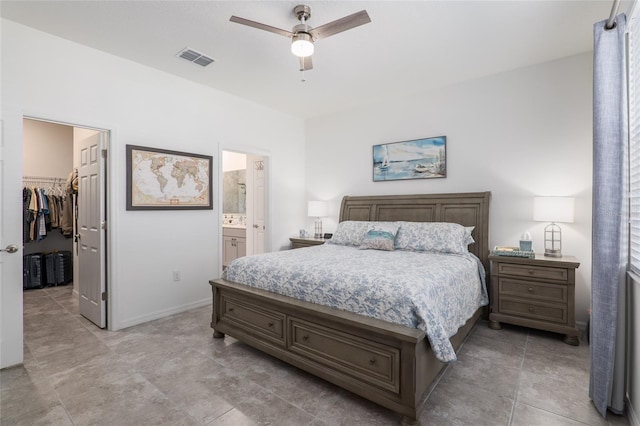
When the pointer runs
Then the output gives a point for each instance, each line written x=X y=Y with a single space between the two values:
x=409 y=46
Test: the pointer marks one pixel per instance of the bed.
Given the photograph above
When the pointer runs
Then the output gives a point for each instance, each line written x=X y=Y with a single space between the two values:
x=388 y=363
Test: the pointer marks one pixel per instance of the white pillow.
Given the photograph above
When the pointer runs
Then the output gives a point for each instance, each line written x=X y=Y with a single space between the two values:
x=439 y=237
x=468 y=238
x=349 y=233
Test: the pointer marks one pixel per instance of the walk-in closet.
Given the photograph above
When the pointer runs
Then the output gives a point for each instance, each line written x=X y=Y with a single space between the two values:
x=63 y=215
x=48 y=204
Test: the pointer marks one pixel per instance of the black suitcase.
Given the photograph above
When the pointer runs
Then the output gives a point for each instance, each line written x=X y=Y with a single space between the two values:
x=50 y=262
x=34 y=272
x=63 y=267
x=59 y=268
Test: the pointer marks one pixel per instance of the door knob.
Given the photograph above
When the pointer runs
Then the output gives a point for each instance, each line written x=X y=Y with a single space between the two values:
x=11 y=248
x=255 y=226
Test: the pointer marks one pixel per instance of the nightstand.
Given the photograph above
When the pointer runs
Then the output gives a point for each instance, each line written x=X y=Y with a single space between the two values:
x=305 y=242
x=537 y=293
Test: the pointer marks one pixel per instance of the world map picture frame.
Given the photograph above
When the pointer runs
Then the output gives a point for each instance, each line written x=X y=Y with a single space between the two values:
x=162 y=179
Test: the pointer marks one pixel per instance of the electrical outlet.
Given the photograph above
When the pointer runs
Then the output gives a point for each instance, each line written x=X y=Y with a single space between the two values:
x=176 y=275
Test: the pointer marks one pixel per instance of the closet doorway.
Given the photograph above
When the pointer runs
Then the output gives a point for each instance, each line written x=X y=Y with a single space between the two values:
x=244 y=204
x=67 y=161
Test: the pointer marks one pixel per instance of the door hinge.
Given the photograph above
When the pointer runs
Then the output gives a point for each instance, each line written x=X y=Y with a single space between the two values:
x=103 y=224
x=104 y=296
x=104 y=153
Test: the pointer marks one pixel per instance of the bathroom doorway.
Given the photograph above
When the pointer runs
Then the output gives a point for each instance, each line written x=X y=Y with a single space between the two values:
x=244 y=205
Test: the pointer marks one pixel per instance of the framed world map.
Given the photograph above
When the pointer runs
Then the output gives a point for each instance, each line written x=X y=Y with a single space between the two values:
x=159 y=179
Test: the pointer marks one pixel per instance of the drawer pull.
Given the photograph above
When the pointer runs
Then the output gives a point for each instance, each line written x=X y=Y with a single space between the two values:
x=372 y=361
x=530 y=309
x=305 y=337
x=230 y=309
x=531 y=271
x=530 y=289
x=270 y=324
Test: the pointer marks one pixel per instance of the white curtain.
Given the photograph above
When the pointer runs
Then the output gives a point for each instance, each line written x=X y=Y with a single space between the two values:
x=610 y=186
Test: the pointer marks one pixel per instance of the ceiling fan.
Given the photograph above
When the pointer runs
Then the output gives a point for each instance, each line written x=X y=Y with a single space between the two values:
x=303 y=36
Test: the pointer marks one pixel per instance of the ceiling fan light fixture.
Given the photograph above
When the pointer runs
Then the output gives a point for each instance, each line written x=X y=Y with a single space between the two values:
x=303 y=36
x=302 y=45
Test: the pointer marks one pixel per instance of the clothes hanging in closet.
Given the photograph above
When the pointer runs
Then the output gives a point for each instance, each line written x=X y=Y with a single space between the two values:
x=71 y=188
x=42 y=212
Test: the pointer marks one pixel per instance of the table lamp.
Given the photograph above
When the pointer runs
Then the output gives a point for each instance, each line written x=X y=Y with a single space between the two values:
x=553 y=209
x=317 y=209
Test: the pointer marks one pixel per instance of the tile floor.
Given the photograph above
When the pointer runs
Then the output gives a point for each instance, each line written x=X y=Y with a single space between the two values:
x=172 y=372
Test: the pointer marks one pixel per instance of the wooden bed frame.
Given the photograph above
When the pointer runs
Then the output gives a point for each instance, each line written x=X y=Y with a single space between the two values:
x=389 y=364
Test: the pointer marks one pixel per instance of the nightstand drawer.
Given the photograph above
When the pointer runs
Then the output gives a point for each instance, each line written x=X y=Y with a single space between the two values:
x=541 y=272
x=539 y=311
x=306 y=242
x=296 y=245
x=532 y=290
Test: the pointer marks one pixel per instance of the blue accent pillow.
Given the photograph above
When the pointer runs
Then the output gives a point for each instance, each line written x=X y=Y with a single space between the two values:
x=380 y=236
x=351 y=232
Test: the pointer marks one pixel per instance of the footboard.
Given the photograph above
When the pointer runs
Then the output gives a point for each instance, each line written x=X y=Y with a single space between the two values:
x=388 y=364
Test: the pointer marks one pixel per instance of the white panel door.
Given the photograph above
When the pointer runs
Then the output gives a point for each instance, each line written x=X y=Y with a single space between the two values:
x=10 y=242
x=257 y=193
x=91 y=240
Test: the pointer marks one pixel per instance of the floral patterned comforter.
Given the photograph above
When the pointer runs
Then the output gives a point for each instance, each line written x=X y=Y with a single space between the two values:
x=436 y=293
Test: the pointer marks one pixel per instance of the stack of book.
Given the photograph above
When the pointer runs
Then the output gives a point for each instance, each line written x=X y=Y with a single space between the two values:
x=513 y=251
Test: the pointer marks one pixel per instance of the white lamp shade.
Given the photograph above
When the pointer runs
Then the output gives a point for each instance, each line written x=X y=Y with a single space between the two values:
x=553 y=209
x=318 y=208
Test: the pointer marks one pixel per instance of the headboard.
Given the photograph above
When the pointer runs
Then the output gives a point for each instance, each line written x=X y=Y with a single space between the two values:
x=468 y=209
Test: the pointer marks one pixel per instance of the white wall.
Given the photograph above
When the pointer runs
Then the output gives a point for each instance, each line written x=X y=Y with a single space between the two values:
x=47 y=149
x=233 y=161
x=49 y=77
x=518 y=134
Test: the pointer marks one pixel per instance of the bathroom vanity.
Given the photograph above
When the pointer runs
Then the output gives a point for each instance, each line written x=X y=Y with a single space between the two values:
x=234 y=243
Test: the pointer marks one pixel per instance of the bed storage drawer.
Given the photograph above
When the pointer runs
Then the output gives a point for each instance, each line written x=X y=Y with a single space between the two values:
x=365 y=360
x=253 y=319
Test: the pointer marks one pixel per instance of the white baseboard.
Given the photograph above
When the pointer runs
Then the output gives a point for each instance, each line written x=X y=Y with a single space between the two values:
x=161 y=314
x=634 y=420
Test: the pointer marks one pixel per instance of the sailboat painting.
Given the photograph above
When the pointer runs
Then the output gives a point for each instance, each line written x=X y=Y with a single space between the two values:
x=415 y=159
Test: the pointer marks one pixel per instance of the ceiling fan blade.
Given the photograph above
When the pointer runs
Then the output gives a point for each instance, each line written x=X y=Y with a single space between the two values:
x=306 y=64
x=340 y=25
x=261 y=26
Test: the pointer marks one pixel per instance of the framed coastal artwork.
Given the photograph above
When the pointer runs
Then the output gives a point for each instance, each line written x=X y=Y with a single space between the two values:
x=416 y=159
x=159 y=179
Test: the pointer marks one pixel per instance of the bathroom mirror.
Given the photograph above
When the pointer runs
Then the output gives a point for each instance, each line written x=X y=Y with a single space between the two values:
x=234 y=187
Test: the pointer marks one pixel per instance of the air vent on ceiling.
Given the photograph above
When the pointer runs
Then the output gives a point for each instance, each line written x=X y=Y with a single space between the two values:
x=195 y=57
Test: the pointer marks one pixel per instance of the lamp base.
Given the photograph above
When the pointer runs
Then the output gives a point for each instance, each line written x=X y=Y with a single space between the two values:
x=552 y=240
x=552 y=253
x=318 y=229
